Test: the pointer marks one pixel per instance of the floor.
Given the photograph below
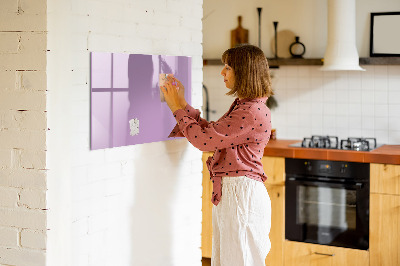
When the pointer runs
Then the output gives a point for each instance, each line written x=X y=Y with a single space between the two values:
x=206 y=261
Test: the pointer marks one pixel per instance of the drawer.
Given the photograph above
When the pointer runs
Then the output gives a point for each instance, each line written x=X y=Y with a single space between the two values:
x=298 y=253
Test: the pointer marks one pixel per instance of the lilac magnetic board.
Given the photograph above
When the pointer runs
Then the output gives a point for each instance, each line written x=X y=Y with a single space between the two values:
x=125 y=97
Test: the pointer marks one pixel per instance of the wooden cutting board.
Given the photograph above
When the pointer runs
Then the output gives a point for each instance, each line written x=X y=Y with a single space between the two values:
x=239 y=35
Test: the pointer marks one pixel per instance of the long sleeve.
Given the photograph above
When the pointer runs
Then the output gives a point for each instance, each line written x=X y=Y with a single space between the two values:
x=231 y=130
x=193 y=113
x=238 y=139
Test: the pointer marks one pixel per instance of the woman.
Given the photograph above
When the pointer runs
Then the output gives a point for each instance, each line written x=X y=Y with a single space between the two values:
x=242 y=208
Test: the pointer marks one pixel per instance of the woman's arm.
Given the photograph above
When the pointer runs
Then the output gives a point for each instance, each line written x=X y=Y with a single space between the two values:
x=193 y=113
x=236 y=128
x=174 y=92
x=239 y=127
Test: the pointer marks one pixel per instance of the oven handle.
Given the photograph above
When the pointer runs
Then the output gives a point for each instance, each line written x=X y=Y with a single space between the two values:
x=357 y=185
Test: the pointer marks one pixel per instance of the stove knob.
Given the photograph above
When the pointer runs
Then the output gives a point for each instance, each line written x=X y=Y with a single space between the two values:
x=308 y=166
x=343 y=168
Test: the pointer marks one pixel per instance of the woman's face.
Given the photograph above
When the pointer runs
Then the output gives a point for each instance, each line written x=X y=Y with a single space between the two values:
x=229 y=76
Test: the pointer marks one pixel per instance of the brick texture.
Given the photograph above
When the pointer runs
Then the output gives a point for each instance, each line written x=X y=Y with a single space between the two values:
x=91 y=192
x=126 y=189
x=17 y=256
x=9 y=237
x=8 y=197
x=23 y=178
x=33 y=239
x=23 y=218
x=23 y=125
x=33 y=199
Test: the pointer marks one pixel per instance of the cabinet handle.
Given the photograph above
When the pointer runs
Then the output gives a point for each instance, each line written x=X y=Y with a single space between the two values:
x=324 y=254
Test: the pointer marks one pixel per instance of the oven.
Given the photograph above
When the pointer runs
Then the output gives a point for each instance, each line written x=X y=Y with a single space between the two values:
x=327 y=202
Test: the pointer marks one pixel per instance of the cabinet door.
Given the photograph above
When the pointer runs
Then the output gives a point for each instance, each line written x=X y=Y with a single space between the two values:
x=385 y=178
x=304 y=254
x=274 y=168
x=277 y=233
x=384 y=230
x=206 y=226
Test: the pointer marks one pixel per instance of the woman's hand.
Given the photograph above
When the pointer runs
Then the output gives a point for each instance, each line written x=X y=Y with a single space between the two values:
x=172 y=94
x=181 y=92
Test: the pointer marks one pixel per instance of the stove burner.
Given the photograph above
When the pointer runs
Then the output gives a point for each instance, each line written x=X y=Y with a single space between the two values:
x=328 y=142
x=332 y=142
x=358 y=144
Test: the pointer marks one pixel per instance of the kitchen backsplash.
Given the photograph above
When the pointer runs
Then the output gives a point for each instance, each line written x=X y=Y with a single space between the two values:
x=314 y=102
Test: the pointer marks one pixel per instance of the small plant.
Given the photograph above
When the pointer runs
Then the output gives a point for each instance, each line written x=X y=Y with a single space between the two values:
x=271 y=102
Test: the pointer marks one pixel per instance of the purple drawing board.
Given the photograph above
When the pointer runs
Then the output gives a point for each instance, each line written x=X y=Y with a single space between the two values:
x=125 y=97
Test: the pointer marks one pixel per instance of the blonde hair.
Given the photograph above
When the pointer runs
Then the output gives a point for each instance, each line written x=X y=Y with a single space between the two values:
x=250 y=66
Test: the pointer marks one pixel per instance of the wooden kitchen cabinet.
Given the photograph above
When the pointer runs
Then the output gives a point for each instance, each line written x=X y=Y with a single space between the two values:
x=206 y=225
x=274 y=168
x=305 y=254
x=277 y=233
x=385 y=178
x=384 y=215
x=384 y=236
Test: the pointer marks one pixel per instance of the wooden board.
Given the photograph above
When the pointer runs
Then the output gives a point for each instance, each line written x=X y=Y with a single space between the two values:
x=206 y=225
x=277 y=233
x=385 y=178
x=274 y=168
x=239 y=35
x=384 y=236
x=304 y=254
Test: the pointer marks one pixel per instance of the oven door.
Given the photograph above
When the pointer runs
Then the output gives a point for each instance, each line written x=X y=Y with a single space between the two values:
x=327 y=213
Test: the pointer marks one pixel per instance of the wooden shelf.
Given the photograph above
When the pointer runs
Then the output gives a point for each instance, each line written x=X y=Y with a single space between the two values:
x=212 y=62
x=273 y=63
x=295 y=62
x=380 y=61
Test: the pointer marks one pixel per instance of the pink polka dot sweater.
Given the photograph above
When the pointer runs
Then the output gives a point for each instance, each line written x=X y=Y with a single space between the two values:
x=238 y=139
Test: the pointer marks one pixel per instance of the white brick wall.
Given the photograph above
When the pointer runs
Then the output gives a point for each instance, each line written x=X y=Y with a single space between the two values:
x=100 y=204
x=23 y=218
x=11 y=256
x=9 y=237
x=135 y=205
x=23 y=132
x=8 y=197
x=34 y=239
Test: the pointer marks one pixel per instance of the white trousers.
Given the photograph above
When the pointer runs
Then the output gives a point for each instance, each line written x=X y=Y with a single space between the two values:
x=241 y=223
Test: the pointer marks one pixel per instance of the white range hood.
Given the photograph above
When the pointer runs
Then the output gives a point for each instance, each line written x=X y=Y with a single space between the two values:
x=341 y=51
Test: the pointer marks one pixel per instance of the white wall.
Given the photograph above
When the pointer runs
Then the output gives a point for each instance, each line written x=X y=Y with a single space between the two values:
x=23 y=133
x=343 y=104
x=311 y=102
x=306 y=19
x=135 y=205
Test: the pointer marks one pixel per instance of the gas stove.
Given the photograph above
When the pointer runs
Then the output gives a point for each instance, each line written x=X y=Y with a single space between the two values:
x=332 y=142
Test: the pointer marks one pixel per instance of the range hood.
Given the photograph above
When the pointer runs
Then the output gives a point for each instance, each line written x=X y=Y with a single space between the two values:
x=341 y=51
